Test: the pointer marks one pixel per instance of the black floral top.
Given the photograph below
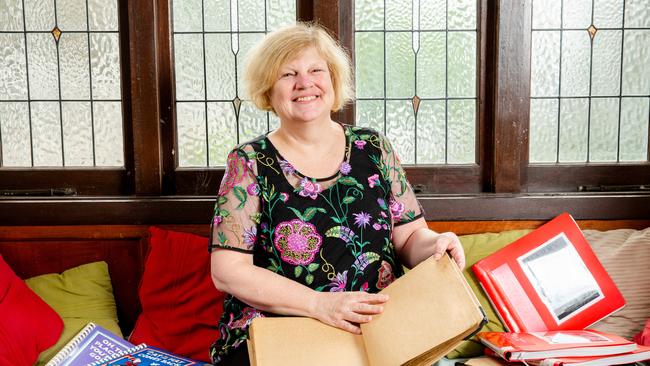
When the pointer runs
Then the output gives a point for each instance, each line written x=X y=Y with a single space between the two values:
x=330 y=234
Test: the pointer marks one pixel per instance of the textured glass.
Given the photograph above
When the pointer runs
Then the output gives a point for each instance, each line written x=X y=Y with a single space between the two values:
x=46 y=134
x=190 y=122
x=217 y=15
x=274 y=121
x=400 y=129
x=370 y=113
x=576 y=50
x=251 y=15
x=543 y=131
x=461 y=64
x=77 y=133
x=14 y=127
x=603 y=131
x=222 y=131
x=461 y=131
x=431 y=132
x=462 y=14
x=399 y=15
x=71 y=15
x=545 y=64
x=636 y=58
x=73 y=56
x=431 y=70
x=637 y=14
x=187 y=15
x=608 y=13
x=606 y=63
x=280 y=13
x=105 y=65
x=11 y=16
x=634 y=129
x=574 y=121
x=400 y=65
x=188 y=63
x=102 y=15
x=547 y=14
x=41 y=53
x=39 y=15
x=252 y=122
x=220 y=67
x=246 y=42
x=109 y=144
x=369 y=14
x=369 y=59
x=432 y=14
x=576 y=14
x=13 y=78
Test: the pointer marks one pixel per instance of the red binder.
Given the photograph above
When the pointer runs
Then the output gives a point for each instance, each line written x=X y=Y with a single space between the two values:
x=549 y=279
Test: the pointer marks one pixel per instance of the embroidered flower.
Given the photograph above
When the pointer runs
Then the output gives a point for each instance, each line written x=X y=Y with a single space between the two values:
x=286 y=167
x=382 y=203
x=284 y=197
x=359 y=144
x=248 y=314
x=396 y=209
x=309 y=189
x=386 y=276
x=339 y=282
x=236 y=168
x=362 y=219
x=217 y=220
x=250 y=235
x=297 y=241
x=364 y=287
x=376 y=226
x=373 y=180
x=345 y=168
x=253 y=189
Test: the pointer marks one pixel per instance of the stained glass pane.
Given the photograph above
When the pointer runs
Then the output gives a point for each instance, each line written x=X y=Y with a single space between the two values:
x=431 y=66
x=462 y=14
x=252 y=122
x=369 y=15
x=576 y=49
x=545 y=64
x=634 y=129
x=398 y=15
x=188 y=62
x=369 y=58
x=433 y=15
x=603 y=132
x=461 y=131
x=73 y=56
x=71 y=15
x=461 y=64
x=102 y=15
x=400 y=128
x=14 y=126
x=13 y=78
x=543 y=130
x=637 y=14
x=574 y=123
x=77 y=133
x=576 y=14
x=252 y=15
x=606 y=63
x=431 y=139
x=400 y=65
x=220 y=67
x=217 y=16
x=636 y=58
x=222 y=131
x=41 y=55
x=192 y=147
x=276 y=13
x=108 y=134
x=105 y=64
x=39 y=15
x=246 y=42
x=11 y=16
x=608 y=13
x=187 y=16
x=370 y=113
x=547 y=14
x=46 y=134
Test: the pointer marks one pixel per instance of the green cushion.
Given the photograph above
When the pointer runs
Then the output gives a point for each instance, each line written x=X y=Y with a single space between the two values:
x=79 y=295
x=477 y=247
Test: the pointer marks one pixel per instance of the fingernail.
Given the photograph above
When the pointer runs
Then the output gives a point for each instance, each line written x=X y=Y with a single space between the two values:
x=437 y=256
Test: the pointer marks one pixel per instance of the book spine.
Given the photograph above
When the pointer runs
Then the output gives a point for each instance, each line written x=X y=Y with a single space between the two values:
x=118 y=355
x=71 y=345
x=496 y=297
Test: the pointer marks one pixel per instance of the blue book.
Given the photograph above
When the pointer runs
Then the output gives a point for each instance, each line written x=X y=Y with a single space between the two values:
x=144 y=355
x=92 y=343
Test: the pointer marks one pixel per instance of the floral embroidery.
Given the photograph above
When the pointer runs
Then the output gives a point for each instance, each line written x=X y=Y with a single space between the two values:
x=309 y=189
x=297 y=241
x=339 y=282
x=253 y=189
x=345 y=168
x=235 y=171
x=396 y=209
x=248 y=314
x=359 y=144
x=386 y=276
x=250 y=235
x=284 y=197
x=362 y=219
x=373 y=180
x=286 y=167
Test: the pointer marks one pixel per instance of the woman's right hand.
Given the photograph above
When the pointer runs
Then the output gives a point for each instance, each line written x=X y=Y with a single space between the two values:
x=346 y=310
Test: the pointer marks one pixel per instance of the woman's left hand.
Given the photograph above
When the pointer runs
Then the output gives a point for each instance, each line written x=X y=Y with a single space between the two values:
x=449 y=242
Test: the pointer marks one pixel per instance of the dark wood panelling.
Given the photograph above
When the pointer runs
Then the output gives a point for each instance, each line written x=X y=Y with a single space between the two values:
x=567 y=178
x=479 y=227
x=103 y=181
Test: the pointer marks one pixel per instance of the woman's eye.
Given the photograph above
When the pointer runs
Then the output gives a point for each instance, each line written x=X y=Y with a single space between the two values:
x=287 y=74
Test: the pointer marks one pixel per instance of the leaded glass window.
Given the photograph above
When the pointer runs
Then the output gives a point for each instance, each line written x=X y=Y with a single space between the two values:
x=416 y=67
x=210 y=40
x=60 y=93
x=590 y=82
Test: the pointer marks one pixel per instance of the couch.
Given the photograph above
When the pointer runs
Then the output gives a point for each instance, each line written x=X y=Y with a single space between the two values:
x=156 y=275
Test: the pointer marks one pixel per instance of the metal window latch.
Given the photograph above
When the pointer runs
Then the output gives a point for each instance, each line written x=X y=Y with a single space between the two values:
x=614 y=188
x=47 y=192
x=419 y=188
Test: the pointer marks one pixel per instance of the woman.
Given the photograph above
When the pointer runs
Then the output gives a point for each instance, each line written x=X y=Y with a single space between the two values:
x=315 y=217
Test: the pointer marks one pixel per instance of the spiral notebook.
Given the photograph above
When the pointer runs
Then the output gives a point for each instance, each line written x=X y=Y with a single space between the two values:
x=92 y=343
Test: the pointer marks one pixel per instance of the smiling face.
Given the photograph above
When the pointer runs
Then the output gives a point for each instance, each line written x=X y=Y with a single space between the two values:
x=303 y=91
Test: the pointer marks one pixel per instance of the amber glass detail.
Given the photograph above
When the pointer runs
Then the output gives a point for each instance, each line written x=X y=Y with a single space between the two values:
x=592 y=31
x=416 y=104
x=237 y=103
x=56 y=32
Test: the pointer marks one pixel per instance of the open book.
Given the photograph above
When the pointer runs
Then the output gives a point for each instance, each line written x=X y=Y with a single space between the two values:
x=430 y=311
x=549 y=279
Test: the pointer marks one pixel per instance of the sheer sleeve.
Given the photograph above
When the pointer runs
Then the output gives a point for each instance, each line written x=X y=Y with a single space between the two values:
x=237 y=210
x=404 y=206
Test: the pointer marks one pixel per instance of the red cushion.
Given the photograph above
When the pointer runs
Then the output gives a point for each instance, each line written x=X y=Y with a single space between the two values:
x=28 y=326
x=180 y=305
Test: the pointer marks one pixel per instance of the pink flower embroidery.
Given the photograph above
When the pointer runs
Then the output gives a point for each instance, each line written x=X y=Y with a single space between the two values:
x=250 y=235
x=386 y=276
x=373 y=180
x=339 y=282
x=309 y=189
x=284 y=197
x=359 y=144
x=396 y=209
x=253 y=189
x=248 y=314
x=235 y=170
x=297 y=241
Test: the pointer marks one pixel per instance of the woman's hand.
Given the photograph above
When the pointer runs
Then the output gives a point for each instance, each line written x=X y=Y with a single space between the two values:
x=449 y=242
x=347 y=309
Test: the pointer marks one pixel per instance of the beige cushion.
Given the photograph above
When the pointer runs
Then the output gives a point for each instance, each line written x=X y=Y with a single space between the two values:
x=625 y=254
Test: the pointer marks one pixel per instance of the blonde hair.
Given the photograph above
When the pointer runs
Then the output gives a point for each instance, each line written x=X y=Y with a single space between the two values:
x=283 y=45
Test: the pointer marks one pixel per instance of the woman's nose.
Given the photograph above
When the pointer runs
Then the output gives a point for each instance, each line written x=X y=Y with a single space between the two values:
x=304 y=81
